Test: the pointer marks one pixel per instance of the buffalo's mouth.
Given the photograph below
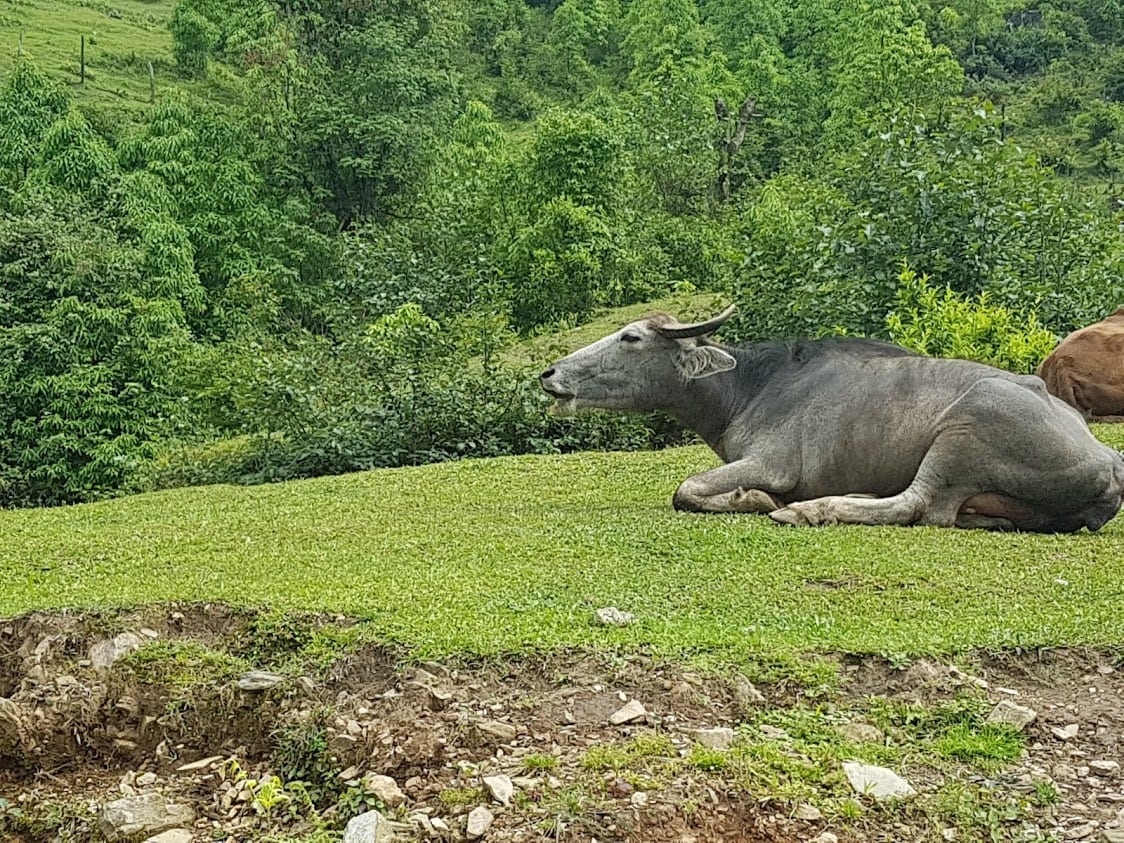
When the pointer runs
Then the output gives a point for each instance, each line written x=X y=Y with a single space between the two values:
x=558 y=395
x=565 y=403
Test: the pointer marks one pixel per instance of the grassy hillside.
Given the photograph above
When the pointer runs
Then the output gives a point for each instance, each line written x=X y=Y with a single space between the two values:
x=122 y=37
x=492 y=556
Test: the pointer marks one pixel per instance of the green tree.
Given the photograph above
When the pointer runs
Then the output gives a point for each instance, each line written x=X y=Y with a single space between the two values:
x=30 y=103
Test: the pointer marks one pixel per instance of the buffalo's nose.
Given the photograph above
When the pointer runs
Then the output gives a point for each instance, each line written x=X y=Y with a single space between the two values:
x=549 y=373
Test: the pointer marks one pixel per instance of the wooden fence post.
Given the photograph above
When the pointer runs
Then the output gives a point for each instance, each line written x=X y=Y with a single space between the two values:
x=82 y=62
x=151 y=84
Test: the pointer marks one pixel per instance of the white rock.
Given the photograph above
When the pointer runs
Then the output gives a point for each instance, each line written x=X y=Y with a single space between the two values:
x=773 y=732
x=501 y=788
x=745 y=692
x=439 y=824
x=1105 y=768
x=201 y=764
x=612 y=616
x=1080 y=832
x=826 y=837
x=1012 y=714
x=631 y=712
x=145 y=779
x=1065 y=733
x=105 y=653
x=385 y=789
x=1112 y=835
x=503 y=732
x=259 y=680
x=639 y=799
x=172 y=835
x=720 y=737
x=480 y=819
x=371 y=827
x=148 y=813
x=807 y=812
x=878 y=782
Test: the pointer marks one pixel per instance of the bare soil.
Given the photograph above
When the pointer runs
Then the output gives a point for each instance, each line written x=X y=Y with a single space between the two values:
x=77 y=736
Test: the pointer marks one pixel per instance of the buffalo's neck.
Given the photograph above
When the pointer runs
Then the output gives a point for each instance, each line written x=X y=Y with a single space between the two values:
x=709 y=405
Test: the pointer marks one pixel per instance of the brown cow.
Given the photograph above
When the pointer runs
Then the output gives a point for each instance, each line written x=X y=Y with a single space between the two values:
x=1087 y=369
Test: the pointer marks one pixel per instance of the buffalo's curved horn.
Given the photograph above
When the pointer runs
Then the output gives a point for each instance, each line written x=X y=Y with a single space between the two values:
x=678 y=331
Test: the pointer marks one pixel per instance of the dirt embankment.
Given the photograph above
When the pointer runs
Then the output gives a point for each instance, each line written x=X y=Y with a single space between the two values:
x=209 y=714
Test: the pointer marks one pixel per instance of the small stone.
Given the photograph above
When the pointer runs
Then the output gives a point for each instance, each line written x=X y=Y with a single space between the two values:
x=148 y=813
x=439 y=824
x=1065 y=733
x=259 y=680
x=720 y=737
x=745 y=692
x=385 y=789
x=172 y=835
x=145 y=779
x=612 y=616
x=502 y=732
x=773 y=732
x=1012 y=714
x=1112 y=835
x=949 y=834
x=878 y=782
x=1105 y=768
x=480 y=819
x=371 y=827
x=349 y=774
x=1080 y=832
x=632 y=712
x=639 y=799
x=201 y=764
x=149 y=633
x=105 y=653
x=826 y=837
x=809 y=813
x=501 y=788
x=861 y=733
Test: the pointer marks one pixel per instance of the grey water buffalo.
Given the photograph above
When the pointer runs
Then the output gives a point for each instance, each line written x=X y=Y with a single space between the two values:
x=846 y=430
x=1086 y=370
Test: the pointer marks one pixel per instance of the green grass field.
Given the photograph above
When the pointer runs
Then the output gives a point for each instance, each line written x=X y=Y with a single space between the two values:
x=122 y=37
x=495 y=556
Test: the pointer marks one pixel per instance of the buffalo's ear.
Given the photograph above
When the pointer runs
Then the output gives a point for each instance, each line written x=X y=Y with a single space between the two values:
x=702 y=361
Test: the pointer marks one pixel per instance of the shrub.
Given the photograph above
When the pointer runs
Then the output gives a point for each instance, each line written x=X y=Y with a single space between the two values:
x=945 y=324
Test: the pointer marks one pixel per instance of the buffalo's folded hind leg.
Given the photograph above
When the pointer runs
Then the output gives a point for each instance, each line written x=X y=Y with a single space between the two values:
x=975 y=521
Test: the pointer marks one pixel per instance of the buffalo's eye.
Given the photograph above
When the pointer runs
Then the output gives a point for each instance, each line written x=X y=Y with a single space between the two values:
x=630 y=338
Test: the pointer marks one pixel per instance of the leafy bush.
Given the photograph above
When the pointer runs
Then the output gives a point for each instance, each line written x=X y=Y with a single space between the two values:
x=945 y=324
x=404 y=392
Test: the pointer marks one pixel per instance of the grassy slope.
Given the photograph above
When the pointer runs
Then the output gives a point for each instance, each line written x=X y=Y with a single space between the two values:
x=497 y=555
x=122 y=36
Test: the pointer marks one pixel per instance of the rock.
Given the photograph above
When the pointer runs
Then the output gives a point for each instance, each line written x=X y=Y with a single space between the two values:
x=720 y=737
x=201 y=764
x=632 y=712
x=773 y=732
x=612 y=616
x=350 y=774
x=1112 y=835
x=1080 y=832
x=172 y=835
x=105 y=653
x=1012 y=714
x=371 y=827
x=745 y=692
x=148 y=813
x=638 y=799
x=439 y=824
x=145 y=779
x=878 y=782
x=826 y=837
x=385 y=789
x=259 y=680
x=501 y=788
x=809 y=813
x=502 y=732
x=480 y=819
x=1065 y=733
x=1105 y=768
x=861 y=733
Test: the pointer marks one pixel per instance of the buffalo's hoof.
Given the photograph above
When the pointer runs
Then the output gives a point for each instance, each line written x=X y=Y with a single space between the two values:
x=789 y=516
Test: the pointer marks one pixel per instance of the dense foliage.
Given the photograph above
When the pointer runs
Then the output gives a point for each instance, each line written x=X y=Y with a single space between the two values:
x=317 y=269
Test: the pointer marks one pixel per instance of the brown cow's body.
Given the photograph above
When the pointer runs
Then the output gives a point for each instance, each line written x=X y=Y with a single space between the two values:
x=1087 y=369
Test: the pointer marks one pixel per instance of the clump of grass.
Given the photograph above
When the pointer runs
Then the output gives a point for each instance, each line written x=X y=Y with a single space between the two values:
x=459 y=797
x=539 y=762
x=182 y=663
x=710 y=760
x=644 y=747
x=989 y=746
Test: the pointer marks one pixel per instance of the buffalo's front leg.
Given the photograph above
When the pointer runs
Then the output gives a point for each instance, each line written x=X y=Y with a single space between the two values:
x=742 y=486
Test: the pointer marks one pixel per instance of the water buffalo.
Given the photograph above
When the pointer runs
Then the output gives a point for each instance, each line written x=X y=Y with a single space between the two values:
x=1087 y=369
x=846 y=430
